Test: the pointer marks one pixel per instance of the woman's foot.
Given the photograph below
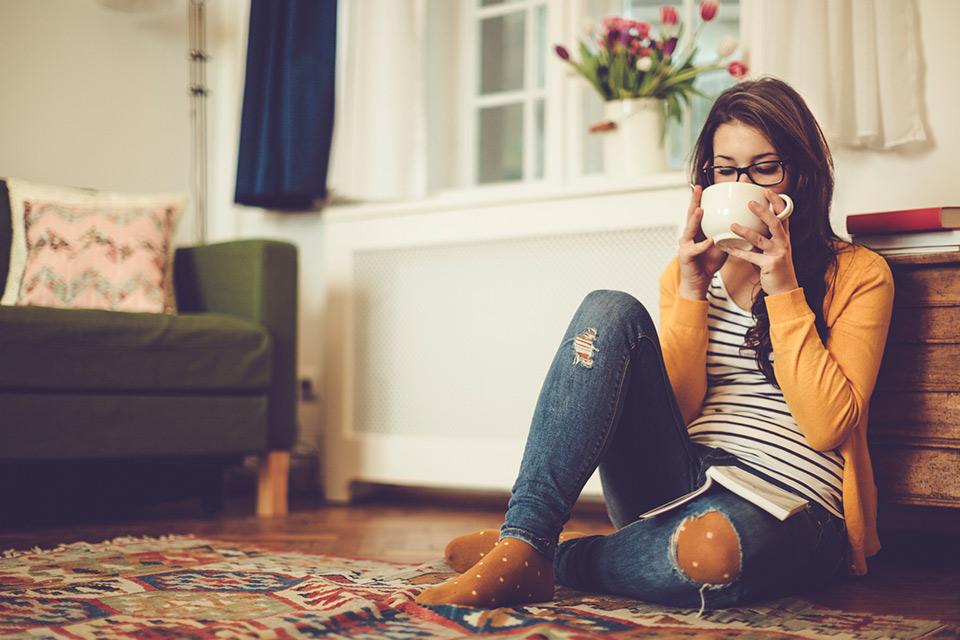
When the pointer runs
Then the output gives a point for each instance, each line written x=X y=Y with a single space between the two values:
x=465 y=551
x=511 y=572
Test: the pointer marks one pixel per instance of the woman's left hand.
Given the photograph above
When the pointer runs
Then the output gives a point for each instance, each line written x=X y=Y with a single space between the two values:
x=774 y=258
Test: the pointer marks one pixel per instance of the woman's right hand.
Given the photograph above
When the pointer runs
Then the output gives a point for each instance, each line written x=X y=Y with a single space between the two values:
x=699 y=258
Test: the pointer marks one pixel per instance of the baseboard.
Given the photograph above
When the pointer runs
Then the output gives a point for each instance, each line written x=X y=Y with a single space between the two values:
x=370 y=492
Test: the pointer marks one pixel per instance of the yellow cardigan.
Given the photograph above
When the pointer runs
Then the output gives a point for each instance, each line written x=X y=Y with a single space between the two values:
x=826 y=388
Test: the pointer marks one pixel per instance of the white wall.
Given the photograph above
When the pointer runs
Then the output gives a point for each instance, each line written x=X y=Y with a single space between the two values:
x=94 y=96
x=871 y=181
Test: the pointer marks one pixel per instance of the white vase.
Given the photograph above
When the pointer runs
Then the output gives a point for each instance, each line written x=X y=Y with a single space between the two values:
x=634 y=147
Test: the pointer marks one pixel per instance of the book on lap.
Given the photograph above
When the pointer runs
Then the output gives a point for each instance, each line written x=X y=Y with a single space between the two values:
x=778 y=502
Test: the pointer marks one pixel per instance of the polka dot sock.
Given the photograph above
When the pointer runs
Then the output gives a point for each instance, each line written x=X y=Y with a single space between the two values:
x=512 y=572
x=465 y=551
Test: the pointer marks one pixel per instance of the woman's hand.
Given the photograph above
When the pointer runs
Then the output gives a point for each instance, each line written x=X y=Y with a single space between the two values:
x=775 y=258
x=699 y=258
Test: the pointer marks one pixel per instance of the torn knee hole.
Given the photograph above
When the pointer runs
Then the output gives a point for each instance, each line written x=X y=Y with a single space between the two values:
x=708 y=549
x=584 y=348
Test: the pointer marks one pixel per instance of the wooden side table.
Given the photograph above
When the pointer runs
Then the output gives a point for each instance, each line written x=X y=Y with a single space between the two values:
x=914 y=428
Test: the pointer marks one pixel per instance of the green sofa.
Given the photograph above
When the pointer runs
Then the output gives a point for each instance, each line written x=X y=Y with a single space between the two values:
x=217 y=380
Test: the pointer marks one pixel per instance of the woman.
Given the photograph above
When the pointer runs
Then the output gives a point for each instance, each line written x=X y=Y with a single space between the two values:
x=766 y=360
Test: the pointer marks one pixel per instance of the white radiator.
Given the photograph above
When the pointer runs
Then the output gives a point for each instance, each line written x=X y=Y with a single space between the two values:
x=440 y=328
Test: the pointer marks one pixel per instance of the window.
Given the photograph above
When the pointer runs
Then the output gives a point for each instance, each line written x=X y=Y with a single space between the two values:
x=507 y=100
x=520 y=107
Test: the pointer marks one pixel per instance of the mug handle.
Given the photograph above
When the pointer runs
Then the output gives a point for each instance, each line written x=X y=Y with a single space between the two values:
x=783 y=215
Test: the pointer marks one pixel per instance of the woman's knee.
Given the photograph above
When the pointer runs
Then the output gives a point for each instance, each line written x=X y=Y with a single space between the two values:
x=613 y=311
x=708 y=549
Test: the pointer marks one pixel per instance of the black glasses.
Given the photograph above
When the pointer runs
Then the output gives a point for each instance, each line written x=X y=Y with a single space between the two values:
x=764 y=174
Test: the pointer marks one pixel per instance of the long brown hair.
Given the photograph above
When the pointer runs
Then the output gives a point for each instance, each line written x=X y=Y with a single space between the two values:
x=776 y=110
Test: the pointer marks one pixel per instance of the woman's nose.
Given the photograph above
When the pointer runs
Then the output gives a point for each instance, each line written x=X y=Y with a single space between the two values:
x=745 y=177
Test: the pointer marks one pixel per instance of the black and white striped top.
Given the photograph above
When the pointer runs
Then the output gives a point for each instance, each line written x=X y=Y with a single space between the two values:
x=747 y=416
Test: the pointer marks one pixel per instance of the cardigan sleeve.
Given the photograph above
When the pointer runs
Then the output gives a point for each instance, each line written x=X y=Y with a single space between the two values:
x=683 y=341
x=828 y=387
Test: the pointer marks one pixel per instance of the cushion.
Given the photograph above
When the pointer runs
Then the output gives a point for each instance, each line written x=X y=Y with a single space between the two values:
x=5 y=234
x=80 y=249
x=50 y=426
x=83 y=350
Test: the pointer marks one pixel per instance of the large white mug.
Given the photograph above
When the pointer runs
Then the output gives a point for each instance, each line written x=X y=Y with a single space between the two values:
x=724 y=203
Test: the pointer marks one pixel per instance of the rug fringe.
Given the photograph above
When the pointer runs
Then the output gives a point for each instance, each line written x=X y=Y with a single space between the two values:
x=93 y=546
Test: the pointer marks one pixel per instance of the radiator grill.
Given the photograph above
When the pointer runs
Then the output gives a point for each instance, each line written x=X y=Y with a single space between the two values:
x=456 y=339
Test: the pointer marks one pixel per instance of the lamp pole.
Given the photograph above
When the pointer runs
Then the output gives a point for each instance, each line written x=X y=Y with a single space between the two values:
x=197 y=37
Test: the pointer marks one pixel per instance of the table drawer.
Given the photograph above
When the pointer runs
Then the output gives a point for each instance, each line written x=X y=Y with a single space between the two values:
x=917 y=475
x=920 y=367
x=916 y=415
x=926 y=286
x=925 y=324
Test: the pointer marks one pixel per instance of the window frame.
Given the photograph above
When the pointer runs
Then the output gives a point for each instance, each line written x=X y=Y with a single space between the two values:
x=471 y=101
x=563 y=95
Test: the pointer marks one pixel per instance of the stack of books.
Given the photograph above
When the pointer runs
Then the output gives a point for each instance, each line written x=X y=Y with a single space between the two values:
x=930 y=230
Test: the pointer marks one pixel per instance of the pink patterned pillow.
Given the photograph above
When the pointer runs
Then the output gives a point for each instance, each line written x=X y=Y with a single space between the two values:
x=85 y=249
x=96 y=258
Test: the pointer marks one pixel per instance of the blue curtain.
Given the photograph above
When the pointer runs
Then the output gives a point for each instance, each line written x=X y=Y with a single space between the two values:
x=287 y=121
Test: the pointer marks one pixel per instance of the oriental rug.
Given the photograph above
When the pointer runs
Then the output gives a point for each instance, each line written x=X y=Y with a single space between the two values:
x=183 y=587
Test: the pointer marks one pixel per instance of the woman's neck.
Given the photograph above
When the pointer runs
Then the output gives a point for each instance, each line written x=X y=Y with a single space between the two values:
x=741 y=280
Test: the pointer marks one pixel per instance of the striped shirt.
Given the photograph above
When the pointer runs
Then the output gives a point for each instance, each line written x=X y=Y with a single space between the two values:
x=747 y=416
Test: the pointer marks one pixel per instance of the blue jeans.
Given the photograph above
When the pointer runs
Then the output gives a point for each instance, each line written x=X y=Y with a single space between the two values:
x=607 y=402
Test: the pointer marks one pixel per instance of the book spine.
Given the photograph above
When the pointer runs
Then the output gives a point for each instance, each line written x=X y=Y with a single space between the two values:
x=905 y=240
x=909 y=251
x=893 y=221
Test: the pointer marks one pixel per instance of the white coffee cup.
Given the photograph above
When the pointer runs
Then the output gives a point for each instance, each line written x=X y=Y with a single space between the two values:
x=724 y=203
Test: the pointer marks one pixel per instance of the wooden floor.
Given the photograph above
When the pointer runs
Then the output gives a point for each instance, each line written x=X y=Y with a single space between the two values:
x=916 y=575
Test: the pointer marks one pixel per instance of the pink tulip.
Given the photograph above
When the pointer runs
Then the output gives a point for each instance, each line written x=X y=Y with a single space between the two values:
x=737 y=69
x=709 y=9
x=643 y=29
x=615 y=23
x=562 y=52
x=668 y=16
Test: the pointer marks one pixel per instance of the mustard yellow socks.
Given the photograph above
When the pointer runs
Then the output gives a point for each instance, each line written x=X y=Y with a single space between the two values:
x=512 y=572
x=496 y=573
x=465 y=551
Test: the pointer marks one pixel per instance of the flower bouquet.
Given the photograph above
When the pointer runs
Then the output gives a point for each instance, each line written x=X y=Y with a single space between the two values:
x=627 y=61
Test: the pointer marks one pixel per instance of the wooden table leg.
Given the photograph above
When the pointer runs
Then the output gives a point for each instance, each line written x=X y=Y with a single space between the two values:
x=272 y=485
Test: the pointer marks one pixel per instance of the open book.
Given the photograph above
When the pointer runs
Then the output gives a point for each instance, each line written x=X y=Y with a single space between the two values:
x=776 y=501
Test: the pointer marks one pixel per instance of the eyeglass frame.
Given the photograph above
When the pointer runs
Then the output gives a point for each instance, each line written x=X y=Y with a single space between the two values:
x=708 y=172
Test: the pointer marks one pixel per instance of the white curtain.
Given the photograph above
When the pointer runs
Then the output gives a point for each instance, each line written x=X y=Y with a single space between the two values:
x=856 y=62
x=379 y=136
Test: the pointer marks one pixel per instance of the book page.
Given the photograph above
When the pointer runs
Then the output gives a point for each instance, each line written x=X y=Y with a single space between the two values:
x=778 y=502
x=673 y=504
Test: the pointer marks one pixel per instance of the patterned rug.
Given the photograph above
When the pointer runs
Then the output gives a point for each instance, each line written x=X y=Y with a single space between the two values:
x=181 y=587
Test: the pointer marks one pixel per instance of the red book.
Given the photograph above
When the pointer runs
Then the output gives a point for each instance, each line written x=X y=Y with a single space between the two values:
x=929 y=219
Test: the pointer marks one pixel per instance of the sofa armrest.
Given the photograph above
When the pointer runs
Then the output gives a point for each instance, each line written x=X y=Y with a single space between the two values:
x=255 y=280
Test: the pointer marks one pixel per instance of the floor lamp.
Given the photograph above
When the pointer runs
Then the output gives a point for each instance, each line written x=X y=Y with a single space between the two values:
x=197 y=37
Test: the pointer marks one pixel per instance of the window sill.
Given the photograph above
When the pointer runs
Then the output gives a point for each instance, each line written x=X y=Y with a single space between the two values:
x=505 y=195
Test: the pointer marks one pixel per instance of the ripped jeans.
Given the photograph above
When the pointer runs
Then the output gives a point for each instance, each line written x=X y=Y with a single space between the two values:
x=607 y=402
